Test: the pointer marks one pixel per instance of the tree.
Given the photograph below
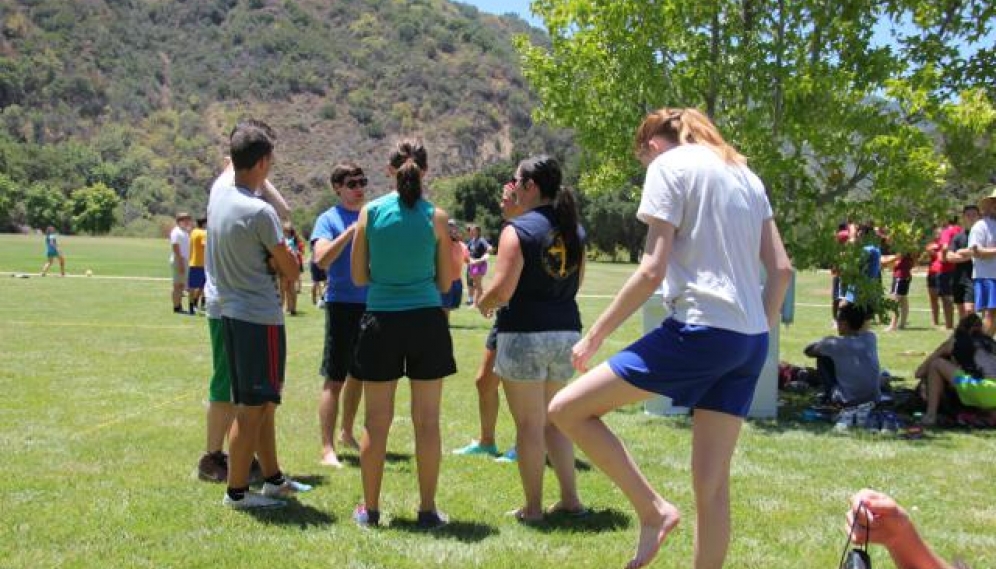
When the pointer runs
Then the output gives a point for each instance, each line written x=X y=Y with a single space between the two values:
x=609 y=223
x=45 y=205
x=93 y=208
x=838 y=124
x=10 y=195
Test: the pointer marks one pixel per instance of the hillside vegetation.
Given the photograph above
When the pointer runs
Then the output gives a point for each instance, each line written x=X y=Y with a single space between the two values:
x=129 y=102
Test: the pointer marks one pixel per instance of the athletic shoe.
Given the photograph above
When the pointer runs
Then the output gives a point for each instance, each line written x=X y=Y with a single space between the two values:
x=509 y=456
x=252 y=501
x=431 y=520
x=213 y=467
x=320 y=304
x=286 y=490
x=366 y=518
x=846 y=419
x=476 y=448
x=890 y=423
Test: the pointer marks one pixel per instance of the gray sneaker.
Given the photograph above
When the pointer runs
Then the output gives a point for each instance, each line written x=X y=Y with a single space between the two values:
x=285 y=490
x=252 y=501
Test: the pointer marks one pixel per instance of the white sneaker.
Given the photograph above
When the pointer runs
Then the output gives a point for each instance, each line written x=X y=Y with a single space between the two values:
x=252 y=501
x=285 y=490
x=320 y=304
x=846 y=419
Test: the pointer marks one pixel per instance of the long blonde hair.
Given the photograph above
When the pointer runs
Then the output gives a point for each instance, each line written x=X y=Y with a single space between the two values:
x=685 y=126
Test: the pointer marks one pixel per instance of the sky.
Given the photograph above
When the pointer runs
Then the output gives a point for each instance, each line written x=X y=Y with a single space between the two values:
x=520 y=7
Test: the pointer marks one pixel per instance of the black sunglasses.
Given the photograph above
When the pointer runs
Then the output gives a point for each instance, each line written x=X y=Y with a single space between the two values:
x=353 y=184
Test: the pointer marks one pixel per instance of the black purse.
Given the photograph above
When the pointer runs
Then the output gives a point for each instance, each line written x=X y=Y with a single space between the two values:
x=856 y=558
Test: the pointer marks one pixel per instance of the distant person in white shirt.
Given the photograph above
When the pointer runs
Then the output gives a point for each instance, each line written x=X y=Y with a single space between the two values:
x=982 y=248
x=179 y=258
x=710 y=232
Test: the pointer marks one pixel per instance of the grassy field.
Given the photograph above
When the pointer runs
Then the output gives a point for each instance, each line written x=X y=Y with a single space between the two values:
x=102 y=422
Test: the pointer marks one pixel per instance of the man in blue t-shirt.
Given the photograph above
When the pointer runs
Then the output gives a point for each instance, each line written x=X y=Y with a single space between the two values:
x=345 y=303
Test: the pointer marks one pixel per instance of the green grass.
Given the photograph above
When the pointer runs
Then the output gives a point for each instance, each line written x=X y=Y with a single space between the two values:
x=103 y=421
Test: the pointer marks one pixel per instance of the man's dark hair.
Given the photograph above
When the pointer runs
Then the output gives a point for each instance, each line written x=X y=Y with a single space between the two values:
x=970 y=207
x=344 y=170
x=250 y=141
x=202 y=222
x=853 y=315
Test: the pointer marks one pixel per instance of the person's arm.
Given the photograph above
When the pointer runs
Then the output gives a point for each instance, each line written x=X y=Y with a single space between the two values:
x=444 y=258
x=877 y=518
x=327 y=251
x=637 y=289
x=779 y=270
x=359 y=261
x=272 y=196
x=284 y=262
x=508 y=269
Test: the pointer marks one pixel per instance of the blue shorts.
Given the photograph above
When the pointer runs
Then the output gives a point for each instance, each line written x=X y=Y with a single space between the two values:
x=195 y=277
x=696 y=366
x=454 y=296
x=985 y=294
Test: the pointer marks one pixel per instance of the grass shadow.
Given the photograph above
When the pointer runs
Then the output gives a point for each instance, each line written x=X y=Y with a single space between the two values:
x=462 y=531
x=294 y=513
x=391 y=458
x=596 y=521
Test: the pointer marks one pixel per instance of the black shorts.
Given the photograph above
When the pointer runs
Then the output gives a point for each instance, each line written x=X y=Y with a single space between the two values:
x=491 y=342
x=342 y=325
x=900 y=287
x=940 y=282
x=835 y=288
x=318 y=275
x=415 y=343
x=963 y=291
x=257 y=354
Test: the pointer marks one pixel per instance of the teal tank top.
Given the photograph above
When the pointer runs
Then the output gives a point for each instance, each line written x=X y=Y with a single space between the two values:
x=402 y=247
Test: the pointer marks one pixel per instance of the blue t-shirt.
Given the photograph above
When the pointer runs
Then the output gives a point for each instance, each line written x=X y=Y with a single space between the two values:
x=402 y=245
x=545 y=297
x=871 y=266
x=329 y=226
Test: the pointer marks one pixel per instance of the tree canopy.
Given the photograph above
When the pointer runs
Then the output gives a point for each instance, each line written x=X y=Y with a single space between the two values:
x=861 y=109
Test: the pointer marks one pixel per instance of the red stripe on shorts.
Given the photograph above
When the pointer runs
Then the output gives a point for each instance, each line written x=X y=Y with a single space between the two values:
x=273 y=350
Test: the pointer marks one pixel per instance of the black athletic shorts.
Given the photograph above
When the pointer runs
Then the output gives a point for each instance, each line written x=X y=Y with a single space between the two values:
x=415 y=343
x=318 y=275
x=257 y=354
x=963 y=291
x=941 y=282
x=342 y=325
x=900 y=287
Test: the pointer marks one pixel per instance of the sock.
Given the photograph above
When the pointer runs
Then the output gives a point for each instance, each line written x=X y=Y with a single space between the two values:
x=191 y=307
x=177 y=308
x=237 y=493
x=277 y=479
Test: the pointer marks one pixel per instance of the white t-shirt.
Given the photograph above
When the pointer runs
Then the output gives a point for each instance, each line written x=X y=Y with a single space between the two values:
x=983 y=234
x=179 y=237
x=714 y=270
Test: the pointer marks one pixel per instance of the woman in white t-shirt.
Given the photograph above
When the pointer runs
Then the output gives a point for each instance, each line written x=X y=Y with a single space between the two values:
x=710 y=232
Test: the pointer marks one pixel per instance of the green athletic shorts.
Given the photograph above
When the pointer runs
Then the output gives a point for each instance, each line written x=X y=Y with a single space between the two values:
x=220 y=390
x=979 y=393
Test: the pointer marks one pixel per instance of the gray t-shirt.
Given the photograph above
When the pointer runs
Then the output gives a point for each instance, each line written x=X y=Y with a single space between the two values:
x=855 y=360
x=243 y=230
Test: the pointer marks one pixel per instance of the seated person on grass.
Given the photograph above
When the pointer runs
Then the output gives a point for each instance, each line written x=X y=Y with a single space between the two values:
x=966 y=361
x=848 y=363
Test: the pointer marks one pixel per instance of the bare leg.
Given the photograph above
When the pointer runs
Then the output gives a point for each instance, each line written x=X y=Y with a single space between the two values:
x=379 y=397
x=426 y=399
x=939 y=371
x=714 y=437
x=488 y=400
x=328 y=411
x=988 y=321
x=352 y=392
x=527 y=402
x=965 y=308
x=561 y=452
x=177 y=294
x=266 y=450
x=243 y=442
x=46 y=267
x=219 y=421
x=62 y=265
x=894 y=322
x=904 y=310
x=934 y=306
x=577 y=411
x=948 y=306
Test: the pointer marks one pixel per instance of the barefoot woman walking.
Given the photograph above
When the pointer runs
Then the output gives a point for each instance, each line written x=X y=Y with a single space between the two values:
x=710 y=231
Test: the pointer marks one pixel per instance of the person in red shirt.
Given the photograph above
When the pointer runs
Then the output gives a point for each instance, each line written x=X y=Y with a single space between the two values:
x=902 y=276
x=940 y=274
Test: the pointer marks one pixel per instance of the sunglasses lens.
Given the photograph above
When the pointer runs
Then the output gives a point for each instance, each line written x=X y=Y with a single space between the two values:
x=353 y=184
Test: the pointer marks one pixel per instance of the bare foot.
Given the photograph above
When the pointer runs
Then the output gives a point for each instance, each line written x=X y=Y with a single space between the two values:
x=522 y=516
x=652 y=536
x=349 y=441
x=330 y=459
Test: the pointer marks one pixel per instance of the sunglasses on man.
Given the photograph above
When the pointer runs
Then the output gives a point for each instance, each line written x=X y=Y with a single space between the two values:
x=358 y=183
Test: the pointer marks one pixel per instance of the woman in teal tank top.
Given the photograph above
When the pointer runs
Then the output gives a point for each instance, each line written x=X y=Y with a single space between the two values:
x=401 y=251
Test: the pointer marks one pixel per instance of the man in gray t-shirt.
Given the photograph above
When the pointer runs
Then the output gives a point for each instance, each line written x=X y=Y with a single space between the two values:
x=848 y=364
x=246 y=255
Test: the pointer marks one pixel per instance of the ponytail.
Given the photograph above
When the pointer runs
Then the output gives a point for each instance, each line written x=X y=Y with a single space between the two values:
x=565 y=205
x=410 y=160
x=409 y=182
x=686 y=126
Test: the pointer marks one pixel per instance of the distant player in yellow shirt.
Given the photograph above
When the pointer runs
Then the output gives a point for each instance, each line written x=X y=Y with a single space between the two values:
x=195 y=276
